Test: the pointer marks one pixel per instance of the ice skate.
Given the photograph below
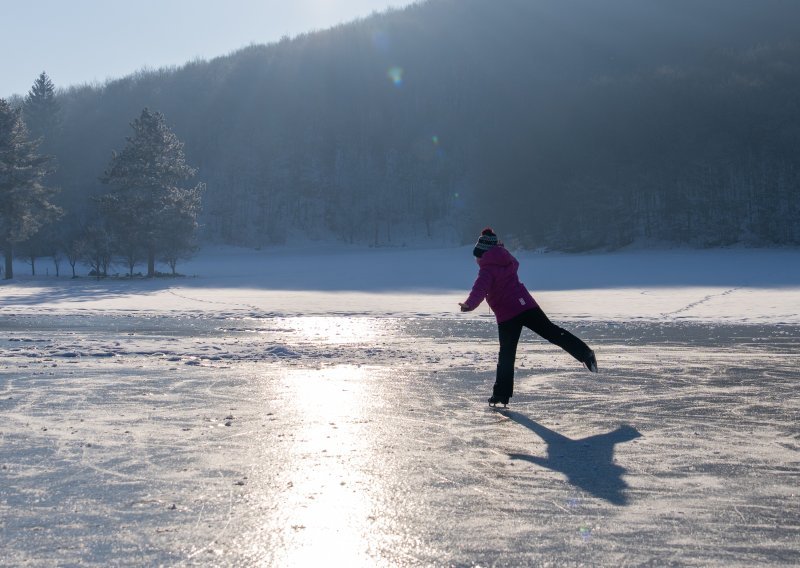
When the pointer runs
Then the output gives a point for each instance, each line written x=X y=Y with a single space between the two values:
x=494 y=400
x=591 y=362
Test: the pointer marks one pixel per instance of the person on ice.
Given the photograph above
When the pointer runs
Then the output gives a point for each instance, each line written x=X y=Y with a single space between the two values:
x=514 y=307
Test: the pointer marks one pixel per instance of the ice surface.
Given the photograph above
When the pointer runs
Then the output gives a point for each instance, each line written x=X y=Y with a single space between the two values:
x=236 y=419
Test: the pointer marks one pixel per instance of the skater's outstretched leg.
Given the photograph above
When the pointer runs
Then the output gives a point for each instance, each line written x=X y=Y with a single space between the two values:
x=538 y=322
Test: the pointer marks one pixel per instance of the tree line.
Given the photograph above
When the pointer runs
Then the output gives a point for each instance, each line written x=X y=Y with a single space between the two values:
x=145 y=213
x=566 y=125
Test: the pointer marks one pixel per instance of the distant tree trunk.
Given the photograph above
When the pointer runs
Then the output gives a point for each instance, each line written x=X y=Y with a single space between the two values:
x=9 y=262
x=151 y=263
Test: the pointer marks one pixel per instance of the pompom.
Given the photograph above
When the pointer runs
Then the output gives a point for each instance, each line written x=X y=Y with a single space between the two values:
x=488 y=231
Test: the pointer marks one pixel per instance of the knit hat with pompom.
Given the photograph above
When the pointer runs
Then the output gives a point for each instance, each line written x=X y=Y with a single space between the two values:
x=486 y=241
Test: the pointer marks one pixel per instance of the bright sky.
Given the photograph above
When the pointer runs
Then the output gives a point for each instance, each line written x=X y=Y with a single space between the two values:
x=88 y=41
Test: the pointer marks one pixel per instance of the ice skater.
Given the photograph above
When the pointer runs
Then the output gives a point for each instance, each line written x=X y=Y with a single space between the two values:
x=514 y=307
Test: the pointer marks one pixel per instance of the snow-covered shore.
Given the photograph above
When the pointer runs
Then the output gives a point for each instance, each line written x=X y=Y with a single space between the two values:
x=731 y=285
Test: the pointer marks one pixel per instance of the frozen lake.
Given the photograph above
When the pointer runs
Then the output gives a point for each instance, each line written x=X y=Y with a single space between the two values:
x=362 y=440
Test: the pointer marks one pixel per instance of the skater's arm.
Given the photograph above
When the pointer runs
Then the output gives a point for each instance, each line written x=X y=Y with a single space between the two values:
x=479 y=291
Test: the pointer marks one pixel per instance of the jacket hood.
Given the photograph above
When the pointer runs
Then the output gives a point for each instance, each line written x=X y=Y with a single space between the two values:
x=497 y=255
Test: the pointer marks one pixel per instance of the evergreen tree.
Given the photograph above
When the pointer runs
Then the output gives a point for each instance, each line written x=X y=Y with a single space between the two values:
x=41 y=110
x=180 y=226
x=146 y=196
x=25 y=203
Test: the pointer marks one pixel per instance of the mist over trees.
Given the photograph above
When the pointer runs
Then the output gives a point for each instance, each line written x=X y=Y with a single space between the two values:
x=568 y=125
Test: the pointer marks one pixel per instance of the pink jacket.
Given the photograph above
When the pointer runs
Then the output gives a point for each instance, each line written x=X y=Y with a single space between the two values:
x=498 y=282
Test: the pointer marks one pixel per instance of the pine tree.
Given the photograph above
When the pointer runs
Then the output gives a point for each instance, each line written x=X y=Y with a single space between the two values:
x=146 y=198
x=180 y=225
x=40 y=109
x=25 y=203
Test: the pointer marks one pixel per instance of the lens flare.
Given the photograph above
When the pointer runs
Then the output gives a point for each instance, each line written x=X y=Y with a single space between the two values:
x=395 y=75
x=586 y=533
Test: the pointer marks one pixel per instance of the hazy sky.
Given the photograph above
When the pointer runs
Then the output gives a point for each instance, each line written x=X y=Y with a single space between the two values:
x=87 y=41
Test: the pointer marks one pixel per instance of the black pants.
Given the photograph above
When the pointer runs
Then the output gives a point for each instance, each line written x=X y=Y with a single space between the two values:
x=536 y=321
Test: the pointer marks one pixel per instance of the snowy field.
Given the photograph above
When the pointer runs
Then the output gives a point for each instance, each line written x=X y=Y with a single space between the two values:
x=307 y=407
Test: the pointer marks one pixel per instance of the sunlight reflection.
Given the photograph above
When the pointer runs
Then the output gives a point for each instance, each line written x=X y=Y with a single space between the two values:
x=328 y=503
x=336 y=330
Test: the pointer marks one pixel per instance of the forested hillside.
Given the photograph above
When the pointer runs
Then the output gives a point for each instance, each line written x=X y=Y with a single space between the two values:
x=567 y=124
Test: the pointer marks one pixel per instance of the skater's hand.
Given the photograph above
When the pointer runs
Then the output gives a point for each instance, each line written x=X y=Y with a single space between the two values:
x=464 y=307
